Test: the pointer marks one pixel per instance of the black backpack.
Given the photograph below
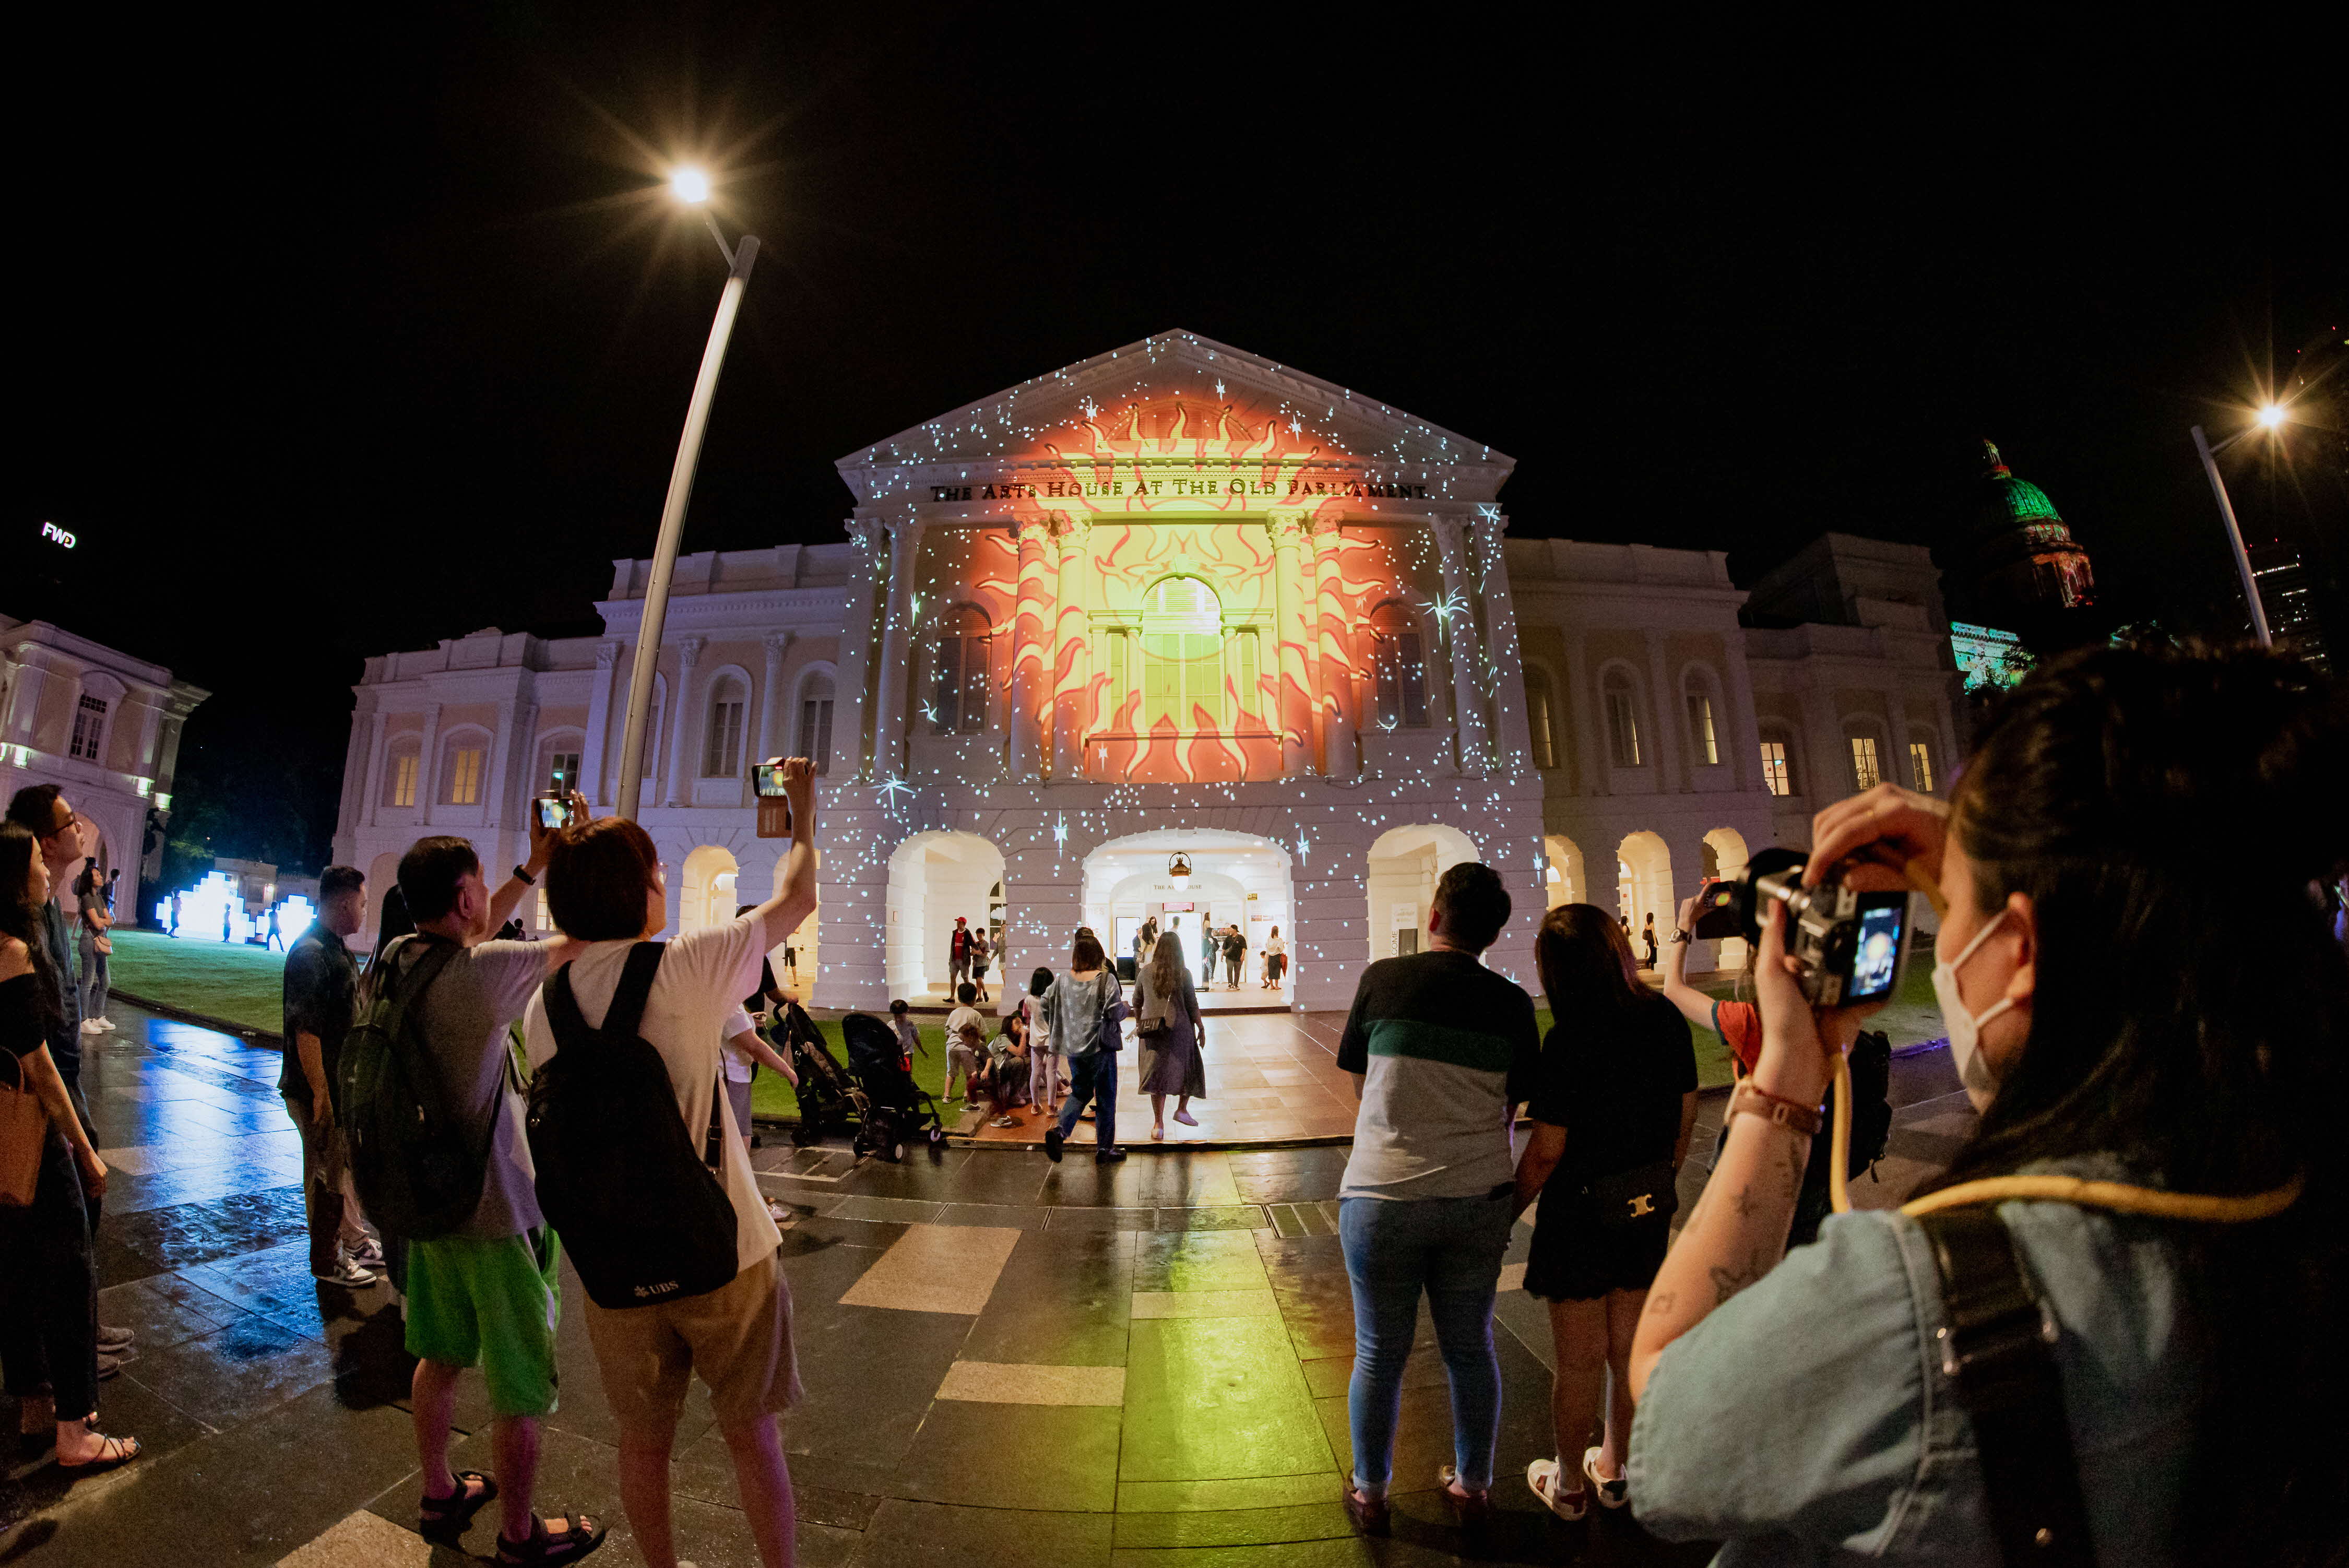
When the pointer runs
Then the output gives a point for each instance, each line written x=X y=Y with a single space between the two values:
x=645 y=1218
x=1870 y=1062
x=419 y=1175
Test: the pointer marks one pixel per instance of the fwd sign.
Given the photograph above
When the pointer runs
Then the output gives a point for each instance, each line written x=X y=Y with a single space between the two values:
x=51 y=530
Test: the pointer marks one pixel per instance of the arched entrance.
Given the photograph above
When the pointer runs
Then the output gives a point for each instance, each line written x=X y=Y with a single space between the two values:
x=1235 y=879
x=1566 y=880
x=934 y=877
x=1403 y=869
x=706 y=888
x=1643 y=870
x=794 y=962
x=1725 y=861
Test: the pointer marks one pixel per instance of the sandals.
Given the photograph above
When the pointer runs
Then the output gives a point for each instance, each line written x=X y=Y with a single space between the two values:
x=586 y=1534
x=111 y=1452
x=1370 y=1514
x=1470 y=1510
x=1543 y=1476
x=456 y=1510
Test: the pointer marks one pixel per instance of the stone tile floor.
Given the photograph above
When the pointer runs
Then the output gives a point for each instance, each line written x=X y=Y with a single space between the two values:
x=1005 y=1361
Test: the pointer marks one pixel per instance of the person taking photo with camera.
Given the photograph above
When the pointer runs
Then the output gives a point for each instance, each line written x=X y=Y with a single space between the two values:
x=2135 y=1266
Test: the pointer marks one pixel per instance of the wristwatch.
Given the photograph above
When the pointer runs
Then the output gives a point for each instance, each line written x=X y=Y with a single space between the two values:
x=528 y=878
x=1678 y=936
x=1792 y=1114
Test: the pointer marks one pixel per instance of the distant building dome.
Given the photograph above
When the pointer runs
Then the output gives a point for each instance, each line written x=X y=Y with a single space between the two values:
x=2026 y=562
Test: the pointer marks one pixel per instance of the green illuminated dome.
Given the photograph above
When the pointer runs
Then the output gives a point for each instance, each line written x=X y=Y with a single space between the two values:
x=2025 y=560
x=2008 y=502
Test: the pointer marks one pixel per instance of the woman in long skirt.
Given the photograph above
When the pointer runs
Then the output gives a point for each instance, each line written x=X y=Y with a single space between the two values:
x=1164 y=998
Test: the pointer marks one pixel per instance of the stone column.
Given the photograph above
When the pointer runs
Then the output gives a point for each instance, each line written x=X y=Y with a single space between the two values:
x=599 y=722
x=852 y=697
x=1031 y=636
x=1745 y=722
x=496 y=786
x=680 y=719
x=1513 y=737
x=896 y=643
x=1671 y=714
x=1340 y=753
x=1071 y=655
x=374 y=768
x=1895 y=771
x=428 y=764
x=1292 y=670
x=1584 y=703
x=770 y=696
x=1461 y=646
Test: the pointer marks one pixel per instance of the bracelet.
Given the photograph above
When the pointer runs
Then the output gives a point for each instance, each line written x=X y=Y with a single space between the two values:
x=528 y=879
x=1747 y=1100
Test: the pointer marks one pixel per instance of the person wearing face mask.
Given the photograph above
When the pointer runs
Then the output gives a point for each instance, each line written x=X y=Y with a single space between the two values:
x=2156 y=1167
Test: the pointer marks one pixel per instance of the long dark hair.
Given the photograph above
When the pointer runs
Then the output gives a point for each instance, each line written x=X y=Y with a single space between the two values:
x=1585 y=962
x=20 y=917
x=2166 y=813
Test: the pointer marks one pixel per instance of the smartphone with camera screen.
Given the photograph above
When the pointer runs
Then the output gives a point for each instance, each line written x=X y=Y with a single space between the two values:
x=774 y=804
x=769 y=780
x=1882 y=919
x=1716 y=918
x=554 y=812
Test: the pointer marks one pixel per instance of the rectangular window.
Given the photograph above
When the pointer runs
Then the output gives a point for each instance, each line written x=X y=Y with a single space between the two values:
x=1119 y=699
x=1774 y=768
x=815 y=733
x=563 y=771
x=1401 y=680
x=1622 y=730
x=1538 y=718
x=89 y=726
x=545 y=915
x=403 y=780
x=1865 y=772
x=722 y=755
x=1700 y=711
x=1245 y=688
x=465 y=777
x=1920 y=766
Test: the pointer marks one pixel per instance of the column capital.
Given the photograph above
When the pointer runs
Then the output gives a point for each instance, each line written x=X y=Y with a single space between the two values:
x=776 y=642
x=865 y=530
x=1071 y=529
x=608 y=654
x=1325 y=527
x=1446 y=529
x=1287 y=526
x=688 y=649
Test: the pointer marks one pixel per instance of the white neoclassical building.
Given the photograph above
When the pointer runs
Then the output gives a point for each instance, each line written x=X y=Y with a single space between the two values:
x=1178 y=600
x=102 y=725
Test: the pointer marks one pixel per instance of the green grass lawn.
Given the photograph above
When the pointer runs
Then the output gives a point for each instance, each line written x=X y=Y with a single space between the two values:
x=770 y=1096
x=245 y=985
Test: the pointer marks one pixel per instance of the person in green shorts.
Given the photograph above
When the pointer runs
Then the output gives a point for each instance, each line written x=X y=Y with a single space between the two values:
x=485 y=1293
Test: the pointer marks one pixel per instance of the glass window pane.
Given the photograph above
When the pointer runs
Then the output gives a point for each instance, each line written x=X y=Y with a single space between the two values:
x=1864 y=770
x=1774 y=768
x=1920 y=766
x=1701 y=736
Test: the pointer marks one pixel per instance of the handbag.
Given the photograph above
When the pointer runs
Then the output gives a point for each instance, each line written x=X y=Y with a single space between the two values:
x=1635 y=1196
x=24 y=1139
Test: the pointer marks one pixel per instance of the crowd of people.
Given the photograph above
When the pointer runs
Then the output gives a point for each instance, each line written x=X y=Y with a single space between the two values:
x=2153 y=1191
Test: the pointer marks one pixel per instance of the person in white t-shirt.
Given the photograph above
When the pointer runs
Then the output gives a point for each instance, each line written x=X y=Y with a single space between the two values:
x=604 y=890
x=966 y=1045
x=745 y=1051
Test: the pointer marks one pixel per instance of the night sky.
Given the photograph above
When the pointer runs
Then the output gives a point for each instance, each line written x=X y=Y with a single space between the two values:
x=333 y=342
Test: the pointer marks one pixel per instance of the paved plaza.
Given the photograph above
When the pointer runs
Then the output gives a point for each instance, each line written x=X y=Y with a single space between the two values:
x=1006 y=1362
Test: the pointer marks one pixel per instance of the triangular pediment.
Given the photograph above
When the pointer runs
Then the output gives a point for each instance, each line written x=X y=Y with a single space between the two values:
x=1172 y=397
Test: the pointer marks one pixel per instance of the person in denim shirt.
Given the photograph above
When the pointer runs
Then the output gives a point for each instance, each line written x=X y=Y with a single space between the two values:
x=2124 y=810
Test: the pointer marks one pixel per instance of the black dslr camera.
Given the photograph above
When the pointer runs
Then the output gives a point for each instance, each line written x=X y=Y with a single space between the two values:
x=1850 y=944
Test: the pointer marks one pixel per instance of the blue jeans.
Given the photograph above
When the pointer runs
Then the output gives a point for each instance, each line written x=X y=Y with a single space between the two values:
x=1092 y=1076
x=1451 y=1248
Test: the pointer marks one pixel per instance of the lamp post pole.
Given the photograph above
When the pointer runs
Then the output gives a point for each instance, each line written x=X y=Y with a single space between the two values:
x=739 y=258
x=2234 y=535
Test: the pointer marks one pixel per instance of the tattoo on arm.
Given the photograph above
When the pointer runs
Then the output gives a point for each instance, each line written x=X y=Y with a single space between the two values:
x=1745 y=1200
x=1727 y=1283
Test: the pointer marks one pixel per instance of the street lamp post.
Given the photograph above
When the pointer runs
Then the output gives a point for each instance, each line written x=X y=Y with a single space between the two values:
x=691 y=187
x=2271 y=418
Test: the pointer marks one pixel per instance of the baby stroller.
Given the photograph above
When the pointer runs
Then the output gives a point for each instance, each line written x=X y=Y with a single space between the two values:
x=899 y=1113
x=830 y=1100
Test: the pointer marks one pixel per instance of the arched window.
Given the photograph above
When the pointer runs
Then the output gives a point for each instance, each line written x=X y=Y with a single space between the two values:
x=1778 y=774
x=465 y=761
x=558 y=761
x=1705 y=741
x=958 y=674
x=400 y=769
x=815 y=722
x=1541 y=718
x=721 y=744
x=1183 y=660
x=1399 y=668
x=1623 y=720
x=89 y=727
x=1868 y=761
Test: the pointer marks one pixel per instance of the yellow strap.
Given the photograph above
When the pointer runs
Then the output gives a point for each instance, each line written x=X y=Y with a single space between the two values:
x=2115 y=1195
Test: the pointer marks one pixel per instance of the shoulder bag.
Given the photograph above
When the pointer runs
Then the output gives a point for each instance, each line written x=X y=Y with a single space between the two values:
x=1643 y=1193
x=24 y=1136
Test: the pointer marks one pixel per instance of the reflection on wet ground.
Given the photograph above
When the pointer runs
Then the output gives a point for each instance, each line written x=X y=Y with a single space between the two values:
x=1005 y=1361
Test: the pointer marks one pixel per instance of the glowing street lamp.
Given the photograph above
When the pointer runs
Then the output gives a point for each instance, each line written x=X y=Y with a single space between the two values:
x=2272 y=416
x=690 y=187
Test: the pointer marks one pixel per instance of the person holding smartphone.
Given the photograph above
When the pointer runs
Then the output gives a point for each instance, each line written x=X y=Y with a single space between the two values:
x=2124 y=810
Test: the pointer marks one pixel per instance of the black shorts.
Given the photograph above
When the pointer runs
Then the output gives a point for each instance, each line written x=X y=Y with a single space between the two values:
x=1576 y=1258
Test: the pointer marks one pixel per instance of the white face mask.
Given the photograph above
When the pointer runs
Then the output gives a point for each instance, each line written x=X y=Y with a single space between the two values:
x=1965 y=1028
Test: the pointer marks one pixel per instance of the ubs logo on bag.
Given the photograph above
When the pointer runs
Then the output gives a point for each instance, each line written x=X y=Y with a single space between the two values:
x=664 y=1288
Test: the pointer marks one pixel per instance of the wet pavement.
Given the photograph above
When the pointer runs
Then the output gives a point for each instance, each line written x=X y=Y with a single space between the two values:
x=1005 y=1361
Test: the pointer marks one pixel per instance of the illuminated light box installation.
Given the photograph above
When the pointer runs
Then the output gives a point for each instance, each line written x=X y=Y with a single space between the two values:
x=1989 y=659
x=214 y=911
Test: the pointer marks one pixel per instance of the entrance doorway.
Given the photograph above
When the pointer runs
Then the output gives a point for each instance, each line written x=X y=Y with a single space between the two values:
x=1234 y=881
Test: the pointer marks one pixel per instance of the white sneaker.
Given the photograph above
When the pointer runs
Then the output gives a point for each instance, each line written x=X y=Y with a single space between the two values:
x=1611 y=1493
x=1543 y=1476
x=106 y=1023
x=347 y=1274
x=91 y=1026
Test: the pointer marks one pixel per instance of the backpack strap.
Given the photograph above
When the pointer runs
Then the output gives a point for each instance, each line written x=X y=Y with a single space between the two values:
x=1995 y=1349
x=627 y=1009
